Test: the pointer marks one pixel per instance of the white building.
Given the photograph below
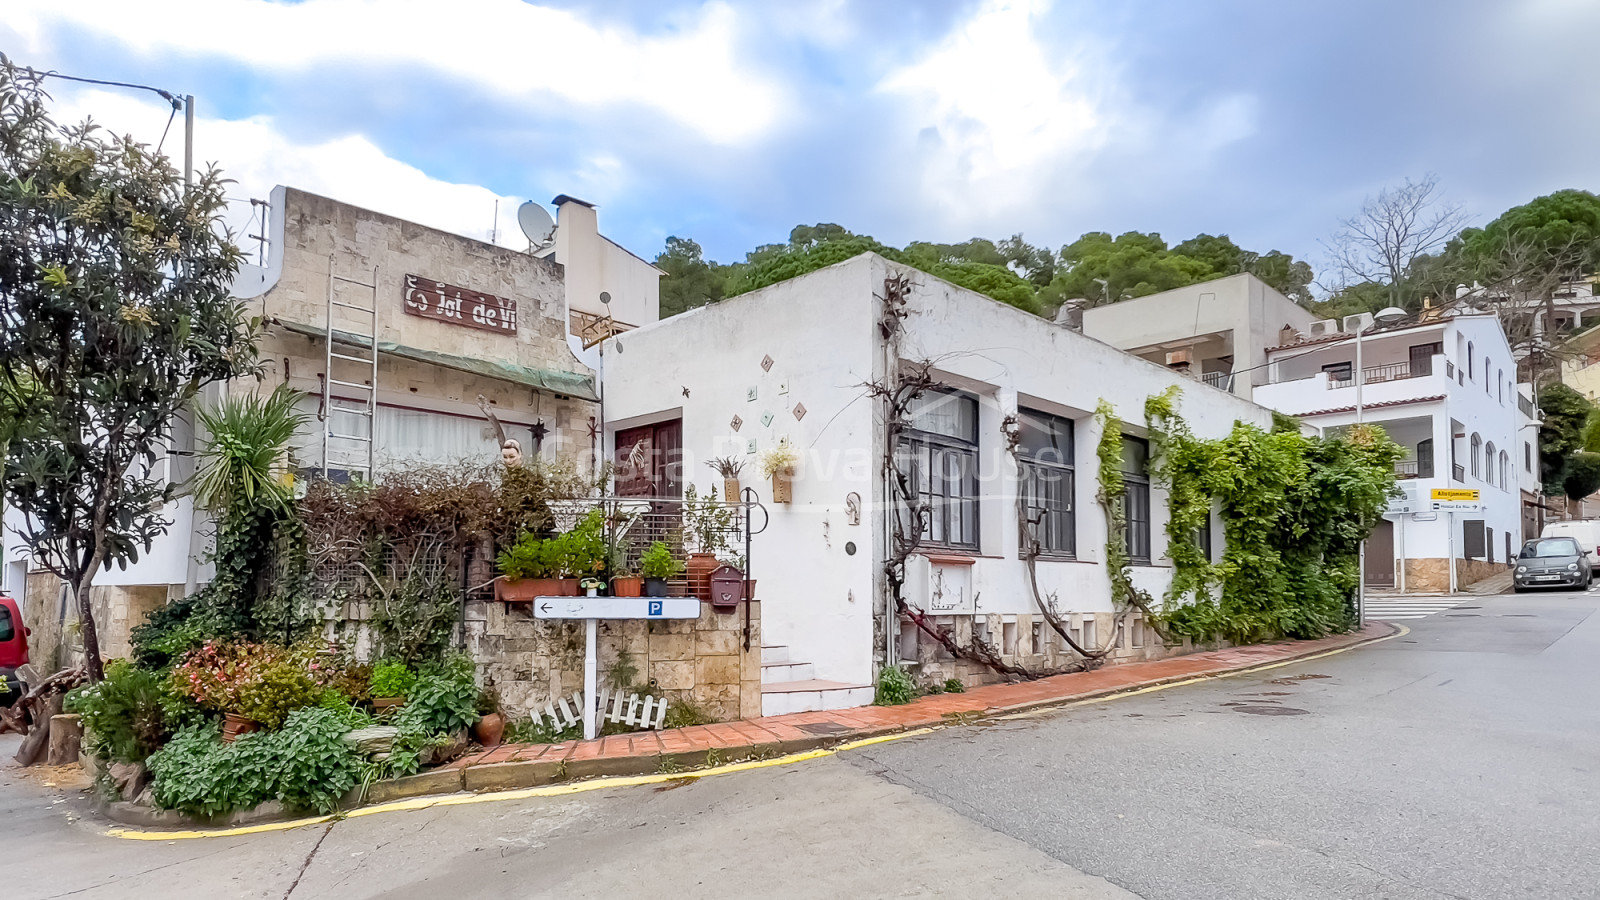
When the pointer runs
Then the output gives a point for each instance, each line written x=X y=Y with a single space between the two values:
x=1446 y=391
x=1217 y=331
x=795 y=360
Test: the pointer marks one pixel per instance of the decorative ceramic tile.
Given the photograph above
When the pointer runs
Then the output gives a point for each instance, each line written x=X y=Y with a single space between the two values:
x=766 y=364
x=737 y=423
x=750 y=446
x=799 y=411
x=750 y=392
x=766 y=417
x=783 y=387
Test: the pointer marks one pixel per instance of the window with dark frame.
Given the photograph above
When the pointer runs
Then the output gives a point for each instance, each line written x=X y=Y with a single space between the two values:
x=1202 y=538
x=1048 y=479
x=1340 y=371
x=939 y=452
x=1136 y=498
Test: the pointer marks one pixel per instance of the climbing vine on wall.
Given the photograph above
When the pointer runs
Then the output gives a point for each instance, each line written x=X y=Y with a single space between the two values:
x=1119 y=567
x=1294 y=510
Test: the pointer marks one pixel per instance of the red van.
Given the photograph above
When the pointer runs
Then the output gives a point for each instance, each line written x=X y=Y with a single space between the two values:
x=13 y=649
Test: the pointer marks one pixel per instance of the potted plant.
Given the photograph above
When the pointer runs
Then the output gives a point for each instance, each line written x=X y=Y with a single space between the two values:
x=728 y=467
x=529 y=569
x=490 y=728
x=707 y=522
x=658 y=567
x=221 y=677
x=580 y=553
x=625 y=580
x=777 y=463
x=391 y=681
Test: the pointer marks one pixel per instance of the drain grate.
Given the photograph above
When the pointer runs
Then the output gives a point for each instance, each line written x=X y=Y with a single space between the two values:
x=823 y=728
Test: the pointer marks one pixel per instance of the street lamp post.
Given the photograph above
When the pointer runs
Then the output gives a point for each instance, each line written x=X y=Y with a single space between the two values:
x=1382 y=317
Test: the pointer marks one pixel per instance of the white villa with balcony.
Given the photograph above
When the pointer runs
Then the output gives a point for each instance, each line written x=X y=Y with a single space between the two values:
x=1446 y=391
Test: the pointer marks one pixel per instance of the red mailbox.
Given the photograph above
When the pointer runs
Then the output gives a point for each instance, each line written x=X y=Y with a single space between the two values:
x=727 y=587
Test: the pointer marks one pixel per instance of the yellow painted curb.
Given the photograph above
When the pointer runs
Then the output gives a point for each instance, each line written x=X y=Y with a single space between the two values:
x=579 y=787
x=553 y=790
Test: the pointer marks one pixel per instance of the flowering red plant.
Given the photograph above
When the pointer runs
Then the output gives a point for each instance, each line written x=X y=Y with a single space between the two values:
x=217 y=675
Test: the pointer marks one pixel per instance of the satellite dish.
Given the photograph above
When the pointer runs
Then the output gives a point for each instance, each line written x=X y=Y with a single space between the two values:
x=536 y=222
x=605 y=296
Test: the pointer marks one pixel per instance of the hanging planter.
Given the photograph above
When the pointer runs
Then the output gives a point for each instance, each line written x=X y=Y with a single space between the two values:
x=778 y=464
x=729 y=468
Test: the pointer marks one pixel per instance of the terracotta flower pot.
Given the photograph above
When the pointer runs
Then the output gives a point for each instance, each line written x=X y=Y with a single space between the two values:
x=627 y=586
x=489 y=730
x=234 y=725
x=750 y=589
x=699 y=570
x=523 y=590
x=567 y=587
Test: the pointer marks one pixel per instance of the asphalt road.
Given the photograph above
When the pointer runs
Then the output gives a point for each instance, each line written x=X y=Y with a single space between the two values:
x=1457 y=761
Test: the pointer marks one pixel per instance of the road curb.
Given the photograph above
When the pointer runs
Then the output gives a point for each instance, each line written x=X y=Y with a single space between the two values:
x=448 y=786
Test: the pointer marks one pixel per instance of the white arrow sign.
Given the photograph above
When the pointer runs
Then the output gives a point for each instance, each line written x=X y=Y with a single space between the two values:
x=616 y=608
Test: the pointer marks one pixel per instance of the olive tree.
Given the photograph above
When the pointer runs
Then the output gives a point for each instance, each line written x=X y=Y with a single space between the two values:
x=115 y=310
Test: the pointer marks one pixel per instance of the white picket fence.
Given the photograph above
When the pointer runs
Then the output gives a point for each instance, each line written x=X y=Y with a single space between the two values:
x=615 y=706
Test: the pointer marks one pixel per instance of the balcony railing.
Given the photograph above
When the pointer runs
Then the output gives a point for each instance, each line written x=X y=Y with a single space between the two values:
x=1222 y=381
x=1526 y=405
x=1414 y=468
x=1377 y=374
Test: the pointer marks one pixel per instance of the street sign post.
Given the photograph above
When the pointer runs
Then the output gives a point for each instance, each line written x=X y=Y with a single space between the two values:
x=591 y=610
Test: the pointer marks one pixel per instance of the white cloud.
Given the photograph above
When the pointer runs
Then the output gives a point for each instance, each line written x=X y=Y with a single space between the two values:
x=992 y=105
x=693 y=75
x=255 y=154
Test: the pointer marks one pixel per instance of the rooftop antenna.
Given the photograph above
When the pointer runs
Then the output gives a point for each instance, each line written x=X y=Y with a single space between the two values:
x=536 y=224
x=494 y=229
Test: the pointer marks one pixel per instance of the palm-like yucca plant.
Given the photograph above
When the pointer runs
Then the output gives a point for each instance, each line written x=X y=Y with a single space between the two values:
x=249 y=436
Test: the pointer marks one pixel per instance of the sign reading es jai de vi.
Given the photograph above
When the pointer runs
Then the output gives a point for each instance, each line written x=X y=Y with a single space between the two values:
x=1454 y=494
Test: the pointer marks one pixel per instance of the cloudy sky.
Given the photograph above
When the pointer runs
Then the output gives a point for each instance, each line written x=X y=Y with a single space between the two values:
x=935 y=120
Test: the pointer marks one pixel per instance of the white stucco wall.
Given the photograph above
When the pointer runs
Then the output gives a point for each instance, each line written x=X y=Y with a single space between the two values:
x=821 y=332
x=594 y=263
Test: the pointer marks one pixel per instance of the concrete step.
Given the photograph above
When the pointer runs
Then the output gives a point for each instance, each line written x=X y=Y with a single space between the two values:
x=773 y=673
x=774 y=654
x=812 y=695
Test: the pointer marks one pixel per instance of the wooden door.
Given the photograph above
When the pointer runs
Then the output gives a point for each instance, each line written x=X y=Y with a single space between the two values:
x=650 y=460
x=1380 y=555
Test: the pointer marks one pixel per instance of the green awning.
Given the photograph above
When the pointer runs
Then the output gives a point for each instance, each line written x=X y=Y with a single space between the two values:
x=571 y=384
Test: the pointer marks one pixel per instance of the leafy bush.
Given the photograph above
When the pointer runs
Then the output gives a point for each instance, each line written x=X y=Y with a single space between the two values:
x=443 y=700
x=581 y=551
x=216 y=674
x=954 y=686
x=658 y=562
x=307 y=764
x=124 y=713
x=895 y=687
x=682 y=715
x=281 y=686
x=392 y=679
x=540 y=731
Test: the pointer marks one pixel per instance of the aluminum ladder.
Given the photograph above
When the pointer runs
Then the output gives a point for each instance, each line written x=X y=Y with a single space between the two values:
x=349 y=344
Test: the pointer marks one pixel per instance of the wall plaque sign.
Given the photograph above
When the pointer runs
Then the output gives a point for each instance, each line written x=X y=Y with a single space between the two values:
x=459 y=306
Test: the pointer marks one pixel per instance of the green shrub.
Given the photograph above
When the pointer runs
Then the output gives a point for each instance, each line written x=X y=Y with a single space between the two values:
x=307 y=765
x=443 y=700
x=658 y=562
x=682 y=715
x=572 y=554
x=895 y=687
x=392 y=679
x=538 y=730
x=124 y=714
x=954 y=686
x=280 y=687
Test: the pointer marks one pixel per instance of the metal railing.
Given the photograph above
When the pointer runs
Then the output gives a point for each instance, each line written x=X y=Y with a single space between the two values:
x=1414 y=468
x=1222 y=381
x=1375 y=374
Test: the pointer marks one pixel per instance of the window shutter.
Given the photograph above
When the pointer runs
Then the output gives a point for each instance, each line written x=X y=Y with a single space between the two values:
x=1472 y=539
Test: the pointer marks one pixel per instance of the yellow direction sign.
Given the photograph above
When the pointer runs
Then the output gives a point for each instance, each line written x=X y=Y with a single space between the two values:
x=1454 y=494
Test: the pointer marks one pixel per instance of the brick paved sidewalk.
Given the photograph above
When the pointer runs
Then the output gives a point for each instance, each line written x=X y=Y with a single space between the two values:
x=528 y=765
